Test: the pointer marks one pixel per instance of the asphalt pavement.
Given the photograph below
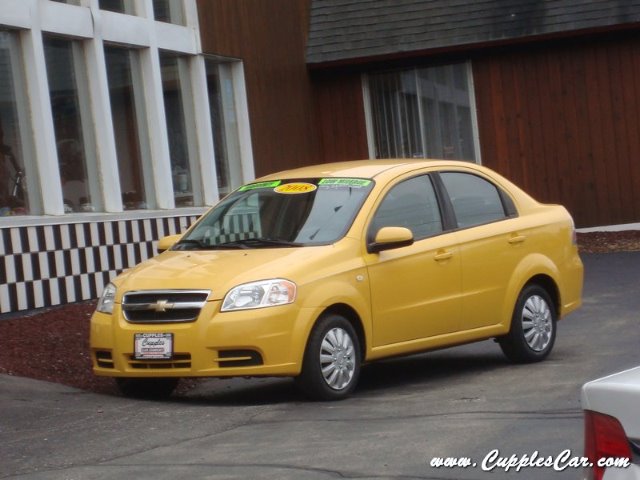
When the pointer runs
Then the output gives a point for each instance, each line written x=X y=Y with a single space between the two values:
x=465 y=403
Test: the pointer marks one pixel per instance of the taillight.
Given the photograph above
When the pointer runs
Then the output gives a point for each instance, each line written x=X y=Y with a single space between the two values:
x=604 y=437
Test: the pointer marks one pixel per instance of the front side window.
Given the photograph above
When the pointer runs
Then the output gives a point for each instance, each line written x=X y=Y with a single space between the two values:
x=14 y=198
x=280 y=214
x=72 y=124
x=411 y=204
x=126 y=99
x=422 y=113
x=475 y=200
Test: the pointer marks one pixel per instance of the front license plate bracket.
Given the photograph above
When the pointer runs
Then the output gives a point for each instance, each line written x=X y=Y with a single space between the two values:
x=153 y=346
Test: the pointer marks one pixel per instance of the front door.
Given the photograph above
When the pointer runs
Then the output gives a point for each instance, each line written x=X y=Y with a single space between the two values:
x=415 y=290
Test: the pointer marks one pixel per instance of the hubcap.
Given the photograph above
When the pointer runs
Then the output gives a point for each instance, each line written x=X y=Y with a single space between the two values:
x=337 y=358
x=537 y=323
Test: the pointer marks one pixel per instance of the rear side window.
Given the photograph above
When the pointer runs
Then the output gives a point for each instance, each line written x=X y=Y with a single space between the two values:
x=475 y=200
x=411 y=204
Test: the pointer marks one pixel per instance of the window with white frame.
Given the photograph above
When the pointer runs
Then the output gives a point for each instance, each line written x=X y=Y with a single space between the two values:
x=119 y=6
x=173 y=70
x=129 y=127
x=423 y=112
x=69 y=106
x=16 y=165
x=224 y=124
x=129 y=114
x=169 y=11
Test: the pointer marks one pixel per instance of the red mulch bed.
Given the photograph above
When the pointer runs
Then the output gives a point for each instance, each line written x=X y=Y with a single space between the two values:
x=53 y=344
x=605 y=242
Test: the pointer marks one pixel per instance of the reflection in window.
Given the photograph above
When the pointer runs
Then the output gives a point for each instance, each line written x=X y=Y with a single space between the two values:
x=118 y=6
x=176 y=129
x=79 y=177
x=224 y=125
x=125 y=96
x=169 y=11
x=411 y=204
x=423 y=113
x=13 y=190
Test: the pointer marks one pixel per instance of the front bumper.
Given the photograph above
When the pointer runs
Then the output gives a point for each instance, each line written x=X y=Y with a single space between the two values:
x=261 y=342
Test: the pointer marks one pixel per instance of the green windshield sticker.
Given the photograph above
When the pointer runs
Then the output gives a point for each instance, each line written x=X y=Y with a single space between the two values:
x=253 y=186
x=344 y=182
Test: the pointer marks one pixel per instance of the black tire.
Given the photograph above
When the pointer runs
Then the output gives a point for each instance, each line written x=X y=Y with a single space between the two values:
x=147 y=388
x=533 y=327
x=333 y=343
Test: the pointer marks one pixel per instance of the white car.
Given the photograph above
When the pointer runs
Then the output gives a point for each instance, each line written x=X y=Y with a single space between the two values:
x=612 y=426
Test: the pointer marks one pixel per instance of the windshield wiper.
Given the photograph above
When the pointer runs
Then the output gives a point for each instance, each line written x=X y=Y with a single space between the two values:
x=256 y=242
x=186 y=243
x=194 y=244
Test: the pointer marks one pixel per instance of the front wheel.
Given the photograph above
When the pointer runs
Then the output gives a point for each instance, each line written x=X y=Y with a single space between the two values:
x=533 y=327
x=331 y=364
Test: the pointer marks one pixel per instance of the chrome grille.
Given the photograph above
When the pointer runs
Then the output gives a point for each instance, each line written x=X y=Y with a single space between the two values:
x=163 y=306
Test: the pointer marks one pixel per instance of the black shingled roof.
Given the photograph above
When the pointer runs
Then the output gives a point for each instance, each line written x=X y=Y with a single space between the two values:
x=343 y=30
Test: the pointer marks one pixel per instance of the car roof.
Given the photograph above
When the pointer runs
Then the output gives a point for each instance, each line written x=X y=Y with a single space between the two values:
x=364 y=168
x=387 y=169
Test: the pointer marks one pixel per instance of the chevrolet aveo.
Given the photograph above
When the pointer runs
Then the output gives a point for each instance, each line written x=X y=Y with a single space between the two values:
x=311 y=273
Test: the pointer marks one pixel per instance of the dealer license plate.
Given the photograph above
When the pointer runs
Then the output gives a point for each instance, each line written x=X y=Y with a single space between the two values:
x=153 y=346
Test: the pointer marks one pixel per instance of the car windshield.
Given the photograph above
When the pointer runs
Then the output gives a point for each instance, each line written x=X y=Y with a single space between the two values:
x=280 y=213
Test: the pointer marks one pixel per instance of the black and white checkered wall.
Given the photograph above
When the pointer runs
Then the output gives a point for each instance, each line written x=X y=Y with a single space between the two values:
x=46 y=265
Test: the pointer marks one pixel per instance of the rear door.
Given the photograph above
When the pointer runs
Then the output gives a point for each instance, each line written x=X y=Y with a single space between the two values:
x=491 y=245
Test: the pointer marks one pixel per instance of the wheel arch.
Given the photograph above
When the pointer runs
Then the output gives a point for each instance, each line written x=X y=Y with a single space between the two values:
x=550 y=286
x=352 y=316
x=533 y=269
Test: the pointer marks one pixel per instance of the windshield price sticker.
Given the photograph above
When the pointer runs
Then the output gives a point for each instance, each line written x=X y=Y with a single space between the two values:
x=254 y=186
x=344 y=182
x=153 y=346
x=295 y=188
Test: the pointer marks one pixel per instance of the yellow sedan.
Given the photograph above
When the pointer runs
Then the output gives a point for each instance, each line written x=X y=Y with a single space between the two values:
x=311 y=273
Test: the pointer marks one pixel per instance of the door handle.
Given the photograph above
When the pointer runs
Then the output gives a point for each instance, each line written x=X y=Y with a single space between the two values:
x=515 y=239
x=442 y=256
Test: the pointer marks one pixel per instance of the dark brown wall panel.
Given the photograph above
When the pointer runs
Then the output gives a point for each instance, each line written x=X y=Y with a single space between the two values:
x=270 y=37
x=294 y=120
x=341 y=121
x=564 y=123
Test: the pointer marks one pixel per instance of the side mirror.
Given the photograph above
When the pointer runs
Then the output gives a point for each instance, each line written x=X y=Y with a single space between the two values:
x=165 y=243
x=389 y=238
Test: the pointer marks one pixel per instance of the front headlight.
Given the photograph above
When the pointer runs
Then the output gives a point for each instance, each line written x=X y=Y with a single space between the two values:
x=105 y=304
x=265 y=293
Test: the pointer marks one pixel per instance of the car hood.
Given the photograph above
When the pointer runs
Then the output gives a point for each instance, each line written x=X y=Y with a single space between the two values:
x=221 y=270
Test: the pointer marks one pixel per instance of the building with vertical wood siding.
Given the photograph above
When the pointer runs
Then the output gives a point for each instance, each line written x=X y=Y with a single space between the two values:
x=553 y=86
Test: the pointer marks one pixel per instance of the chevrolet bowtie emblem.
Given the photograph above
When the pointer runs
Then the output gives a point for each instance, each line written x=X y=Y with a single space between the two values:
x=162 y=306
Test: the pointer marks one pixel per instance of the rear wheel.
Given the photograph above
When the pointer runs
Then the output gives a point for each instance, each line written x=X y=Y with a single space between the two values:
x=533 y=327
x=147 y=388
x=331 y=365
